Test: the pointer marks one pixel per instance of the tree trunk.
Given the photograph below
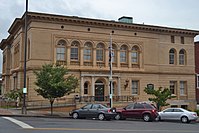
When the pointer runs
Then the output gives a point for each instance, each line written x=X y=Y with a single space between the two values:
x=51 y=105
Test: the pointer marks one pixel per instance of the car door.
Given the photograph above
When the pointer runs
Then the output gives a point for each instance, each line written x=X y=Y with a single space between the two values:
x=84 y=111
x=128 y=110
x=167 y=114
x=93 y=112
x=137 y=110
x=177 y=114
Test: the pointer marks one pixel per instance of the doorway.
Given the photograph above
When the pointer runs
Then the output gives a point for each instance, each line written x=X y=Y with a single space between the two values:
x=99 y=90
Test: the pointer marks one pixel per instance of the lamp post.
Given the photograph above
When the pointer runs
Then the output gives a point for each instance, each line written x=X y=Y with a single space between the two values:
x=25 y=53
x=111 y=73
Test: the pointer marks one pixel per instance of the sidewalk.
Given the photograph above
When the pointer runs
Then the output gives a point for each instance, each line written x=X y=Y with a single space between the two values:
x=32 y=113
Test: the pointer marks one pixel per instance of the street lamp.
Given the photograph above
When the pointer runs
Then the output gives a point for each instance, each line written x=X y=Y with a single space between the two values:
x=111 y=73
x=25 y=53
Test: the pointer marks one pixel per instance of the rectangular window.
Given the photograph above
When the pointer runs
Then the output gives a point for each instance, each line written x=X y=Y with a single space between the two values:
x=74 y=54
x=135 y=85
x=181 y=59
x=182 y=39
x=173 y=86
x=87 y=55
x=99 y=55
x=172 y=39
x=182 y=88
x=122 y=57
x=60 y=53
x=198 y=81
x=134 y=57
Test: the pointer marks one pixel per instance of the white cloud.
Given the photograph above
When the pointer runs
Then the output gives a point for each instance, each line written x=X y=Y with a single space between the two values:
x=172 y=13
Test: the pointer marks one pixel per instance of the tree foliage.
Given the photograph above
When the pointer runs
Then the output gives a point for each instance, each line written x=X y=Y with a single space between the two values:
x=160 y=96
x=52 y=83
x=14 y=94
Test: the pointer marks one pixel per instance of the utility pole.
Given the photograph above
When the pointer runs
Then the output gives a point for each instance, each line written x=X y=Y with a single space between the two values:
x=24 y=111
x=111 y=73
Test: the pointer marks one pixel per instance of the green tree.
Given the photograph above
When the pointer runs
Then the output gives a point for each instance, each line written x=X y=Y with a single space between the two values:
x=14 y=95
x=52 y=82
x=160 y=96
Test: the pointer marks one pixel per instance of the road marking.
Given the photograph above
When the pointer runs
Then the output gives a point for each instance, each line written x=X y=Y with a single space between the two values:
x=20 y=123
x=114 y=130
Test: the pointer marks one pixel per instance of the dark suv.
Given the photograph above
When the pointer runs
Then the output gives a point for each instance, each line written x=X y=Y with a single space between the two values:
x=144 y=111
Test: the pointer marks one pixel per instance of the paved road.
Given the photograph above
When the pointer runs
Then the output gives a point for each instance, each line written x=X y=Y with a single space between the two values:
x=61 y=125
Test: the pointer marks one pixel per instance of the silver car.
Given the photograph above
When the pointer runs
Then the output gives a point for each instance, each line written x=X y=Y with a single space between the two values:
x=181 y=114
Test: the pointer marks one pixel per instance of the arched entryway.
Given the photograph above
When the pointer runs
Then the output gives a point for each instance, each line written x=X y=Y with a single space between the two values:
x=99 y=90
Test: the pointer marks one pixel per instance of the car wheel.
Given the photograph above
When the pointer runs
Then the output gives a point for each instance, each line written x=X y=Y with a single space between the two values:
x=118 y=116
x=184 y=119
x=101 y=117
x=75 y=115
x=146 y=117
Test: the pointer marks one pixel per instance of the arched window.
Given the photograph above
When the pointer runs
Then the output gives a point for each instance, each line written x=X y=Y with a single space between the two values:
x=135 y=55
x=100 y=52
x=86 y=88
x=60 y=50
x=74 y=53
x=123 y=54
x=182 y=57
x=88 y=51
x=172 y=56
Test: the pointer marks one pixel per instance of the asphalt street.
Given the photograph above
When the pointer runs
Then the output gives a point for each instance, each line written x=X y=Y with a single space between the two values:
x=63 y=125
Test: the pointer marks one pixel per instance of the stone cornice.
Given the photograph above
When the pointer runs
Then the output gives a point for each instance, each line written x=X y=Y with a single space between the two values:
x=51 y=18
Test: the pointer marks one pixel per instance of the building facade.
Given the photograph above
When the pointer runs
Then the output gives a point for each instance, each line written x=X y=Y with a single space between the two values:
x=142 y=55
x=197 y=70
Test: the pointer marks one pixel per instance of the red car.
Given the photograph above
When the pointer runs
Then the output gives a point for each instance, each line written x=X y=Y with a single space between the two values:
x=144 y=111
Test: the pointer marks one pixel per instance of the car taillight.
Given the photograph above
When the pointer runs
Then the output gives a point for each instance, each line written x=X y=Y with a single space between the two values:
x=153 y=111
x=109 y=110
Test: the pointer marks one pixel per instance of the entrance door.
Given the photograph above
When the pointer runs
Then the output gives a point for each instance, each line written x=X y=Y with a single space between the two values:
x=99 y=91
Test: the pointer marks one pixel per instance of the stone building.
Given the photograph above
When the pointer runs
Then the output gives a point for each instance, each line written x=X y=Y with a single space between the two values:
x=142 y=55
x=197 y=70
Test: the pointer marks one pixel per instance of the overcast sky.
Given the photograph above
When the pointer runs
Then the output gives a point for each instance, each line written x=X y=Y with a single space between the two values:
x=170 y=13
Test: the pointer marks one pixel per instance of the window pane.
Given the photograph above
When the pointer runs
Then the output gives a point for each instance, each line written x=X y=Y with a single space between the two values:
x=181 y=57
x=134 y=87
x=99 y=55
x=134 y=57
x=123 y=57
x=197 y=81
x=182 y=87
x=171 y=56
x=60 y=53
x=173 y=86
x=74 y=54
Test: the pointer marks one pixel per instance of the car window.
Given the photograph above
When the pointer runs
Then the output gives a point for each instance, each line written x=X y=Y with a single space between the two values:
x=87 y=106
x=95 y=106
x=177 y=110
x=102 y=107
x=138 y=106
x=148 y=106
x=130 y=106
x=168 y=110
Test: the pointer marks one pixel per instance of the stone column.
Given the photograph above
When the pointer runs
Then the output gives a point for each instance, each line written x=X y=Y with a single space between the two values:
x=81 y=56
x=106 y=57
x=82 y=86
x=119 y=86
x=129 y=58
x=94 y=57
x=68 y=56
x=93 y=86
x=118 y=58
